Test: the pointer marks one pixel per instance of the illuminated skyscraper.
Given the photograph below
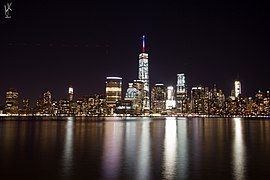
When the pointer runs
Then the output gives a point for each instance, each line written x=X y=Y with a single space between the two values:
x=70 y=93
x=237 y=88
x=113 y=92
x=47 y=98
x=144 y=75
x=12 y=102
x=181 y=84
x=138 y=104
x=199 y=100
x=47 y=103
x=170 y=102
x=158 y=98
x=181 y=93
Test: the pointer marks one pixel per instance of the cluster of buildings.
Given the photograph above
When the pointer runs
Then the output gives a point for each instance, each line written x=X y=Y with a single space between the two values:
x=139 y=100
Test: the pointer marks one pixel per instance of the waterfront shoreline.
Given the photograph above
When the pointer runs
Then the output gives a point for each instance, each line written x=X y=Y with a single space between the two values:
x=123 y=116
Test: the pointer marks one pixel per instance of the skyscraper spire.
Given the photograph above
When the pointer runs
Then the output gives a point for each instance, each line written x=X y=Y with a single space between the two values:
x=143 y=43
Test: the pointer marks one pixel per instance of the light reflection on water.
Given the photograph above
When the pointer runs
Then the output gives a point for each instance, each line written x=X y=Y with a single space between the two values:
x=182 y=147
x=112 y=151
x=140 y=148
x=170 y=145
x=68 y=147
x=144 y=155
x=239 y=151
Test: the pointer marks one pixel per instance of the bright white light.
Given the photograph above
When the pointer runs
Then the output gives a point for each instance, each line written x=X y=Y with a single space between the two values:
x=170 y=145
x=170 y=93
x=182 y=139
x=70 y=90
x=159 y=84
x=239 y=159
x=181 y=83
x=118 y=78
x=237 y=88
x=68 y=147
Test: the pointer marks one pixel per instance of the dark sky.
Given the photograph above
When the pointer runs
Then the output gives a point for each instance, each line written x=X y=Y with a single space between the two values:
x=47 y=45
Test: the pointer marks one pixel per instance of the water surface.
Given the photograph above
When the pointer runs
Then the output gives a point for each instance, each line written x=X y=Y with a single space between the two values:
x=135 y=148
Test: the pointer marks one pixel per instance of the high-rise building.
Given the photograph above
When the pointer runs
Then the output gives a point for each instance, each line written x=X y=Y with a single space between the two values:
x=47 y=98
x=72 y=103
x=216 y=101
x=25 y=106
x=47 y=103
x=12 y=102
x=158 y=98
x=144 y=75
x=237 y=88
x=181 y=94
x=199 y=100
x=113 y=92
x=70 y=93
x=170 y=102
x=138 y=104
x=63 y=107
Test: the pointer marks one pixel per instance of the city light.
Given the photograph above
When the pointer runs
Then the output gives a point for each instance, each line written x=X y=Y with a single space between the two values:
x=175 y=100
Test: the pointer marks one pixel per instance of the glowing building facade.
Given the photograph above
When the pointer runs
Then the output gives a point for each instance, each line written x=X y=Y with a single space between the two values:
x=113 y=92
x=158 y=98
x=47 y=103
x=170 y=102
x=200 y=100
x=144 y=75
x=181 y=94
x=237 y=88
x=12 y=102
x=70 y=93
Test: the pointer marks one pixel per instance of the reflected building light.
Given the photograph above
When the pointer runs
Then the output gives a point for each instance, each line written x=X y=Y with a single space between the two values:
x=182 y=135
x=239 y=160
x=68 y=147
x=112 y=150
x=170 y=145
x=130 y=144
x=144 y=152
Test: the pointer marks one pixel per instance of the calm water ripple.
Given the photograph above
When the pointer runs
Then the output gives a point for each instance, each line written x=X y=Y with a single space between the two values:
x=135 y=148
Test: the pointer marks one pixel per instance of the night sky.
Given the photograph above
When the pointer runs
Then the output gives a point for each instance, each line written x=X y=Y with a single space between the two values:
x=47 y=45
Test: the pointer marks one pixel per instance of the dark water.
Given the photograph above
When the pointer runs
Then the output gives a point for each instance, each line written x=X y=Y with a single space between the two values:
x=142 y=148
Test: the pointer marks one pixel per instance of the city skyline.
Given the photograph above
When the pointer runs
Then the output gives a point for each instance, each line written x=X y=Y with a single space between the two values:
x=141 y=89
x=144 y=76
x=51 y=46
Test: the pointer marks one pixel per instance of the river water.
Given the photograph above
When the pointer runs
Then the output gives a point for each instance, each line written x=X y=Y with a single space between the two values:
x=135 y=148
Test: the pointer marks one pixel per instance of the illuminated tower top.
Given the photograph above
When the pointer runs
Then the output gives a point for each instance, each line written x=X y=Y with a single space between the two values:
x=143 y=44
x=237 y=88
x=70 y=93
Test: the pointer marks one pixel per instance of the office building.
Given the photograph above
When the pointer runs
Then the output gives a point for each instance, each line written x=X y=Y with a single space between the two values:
x=181 y=94
x=113 y=92
x=12 y=102
x=237 y=88
x=144 y=75
x=170 y=101
x=47 y=103
x=158 y=98
x=198 y=97
x=70 y=93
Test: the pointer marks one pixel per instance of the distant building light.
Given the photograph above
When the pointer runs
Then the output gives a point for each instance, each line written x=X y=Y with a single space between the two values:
x=114 y=78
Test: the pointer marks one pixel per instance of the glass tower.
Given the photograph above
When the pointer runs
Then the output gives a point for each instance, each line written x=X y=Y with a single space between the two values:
x=144 y=75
